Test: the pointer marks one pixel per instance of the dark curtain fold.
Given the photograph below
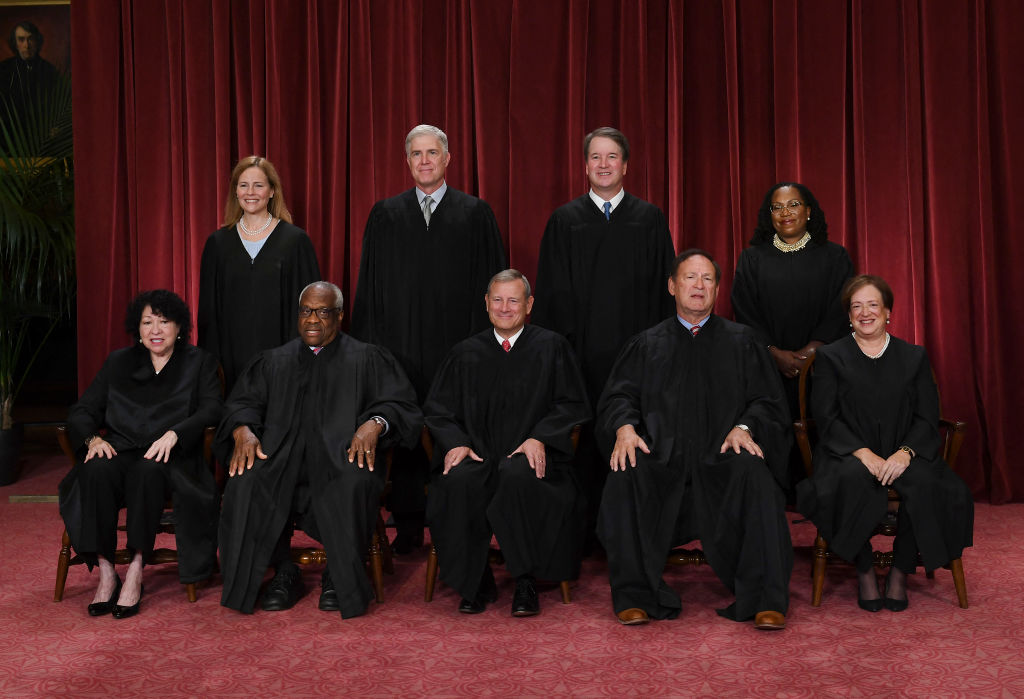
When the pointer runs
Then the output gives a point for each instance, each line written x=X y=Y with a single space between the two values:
x=903 y=117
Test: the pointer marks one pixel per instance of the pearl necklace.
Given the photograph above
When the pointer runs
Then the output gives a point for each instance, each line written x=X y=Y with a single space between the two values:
x=259 y=231
x=791 y=247
x=880 y=352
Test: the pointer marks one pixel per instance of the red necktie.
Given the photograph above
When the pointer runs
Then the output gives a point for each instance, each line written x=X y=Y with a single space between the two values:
x=694 y=330
x=506 y=345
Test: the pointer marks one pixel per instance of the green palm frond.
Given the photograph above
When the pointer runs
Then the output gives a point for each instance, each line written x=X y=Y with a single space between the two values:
x=37 y=233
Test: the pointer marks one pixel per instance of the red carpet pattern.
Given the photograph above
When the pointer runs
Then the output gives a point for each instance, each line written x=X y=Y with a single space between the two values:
x=408 y=647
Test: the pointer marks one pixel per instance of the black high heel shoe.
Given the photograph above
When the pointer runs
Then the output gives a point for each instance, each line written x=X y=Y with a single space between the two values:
x=869 y=605
x=125 y=612
x=104 y=608
x=892 y=604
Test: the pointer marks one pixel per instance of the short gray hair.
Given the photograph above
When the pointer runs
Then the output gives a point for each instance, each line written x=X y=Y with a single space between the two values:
x=426 y=130
x=510 y=275
x=339 y=298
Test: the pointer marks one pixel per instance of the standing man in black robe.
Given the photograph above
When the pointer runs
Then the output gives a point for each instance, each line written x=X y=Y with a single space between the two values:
x=301 y=431
x=604 y=259
x=501 y=412
x=698 y=419
x=426 y=254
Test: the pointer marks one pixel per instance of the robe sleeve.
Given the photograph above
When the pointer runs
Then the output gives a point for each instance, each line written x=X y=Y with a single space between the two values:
x=85 y=418
x=208 y=406
x=833 y=323
x=365 y=304
x=923 y=434
x=302 y=269
x=834 y=434
x=393 y=398
x=662 y=303
x=569 y=404
x=444 y=408
x=206 y=322
x=247 y=405
x=744 y=298
x=767 y=412
x=554 y=308
x=490 y=258
x=620 y=401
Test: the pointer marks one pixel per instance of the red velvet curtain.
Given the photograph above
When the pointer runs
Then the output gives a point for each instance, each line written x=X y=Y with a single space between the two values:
x=903 y=117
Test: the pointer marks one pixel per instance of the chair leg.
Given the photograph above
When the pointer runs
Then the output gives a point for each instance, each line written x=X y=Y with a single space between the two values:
x=377 y=568
x=63 y=561
x=566 y=597
x=190 y=591
x=818 y=570
x=956 y=566
x=385 y=545
x=431 y=574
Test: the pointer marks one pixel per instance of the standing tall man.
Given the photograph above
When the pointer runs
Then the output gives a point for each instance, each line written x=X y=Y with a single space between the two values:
x=697 y=425
x=426 y=254
x=601 y=276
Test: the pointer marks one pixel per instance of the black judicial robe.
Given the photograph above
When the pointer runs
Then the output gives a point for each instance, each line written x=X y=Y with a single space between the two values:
x=599 y=282
x=493 y=401
x=136 y=406
x=683 y=395
x=421 y=291
x=302 y=406
x=247 y=305
x=882 y=404
x=792 y=298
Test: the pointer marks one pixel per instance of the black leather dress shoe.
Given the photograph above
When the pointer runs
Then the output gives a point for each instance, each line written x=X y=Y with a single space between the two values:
x=104 y=608
x=328 y=595
x=125 y=612
x=525 y=601
x=474 y=606
x=285 y=589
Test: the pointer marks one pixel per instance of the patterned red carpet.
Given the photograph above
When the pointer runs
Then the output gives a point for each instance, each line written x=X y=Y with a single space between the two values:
x=405 y=647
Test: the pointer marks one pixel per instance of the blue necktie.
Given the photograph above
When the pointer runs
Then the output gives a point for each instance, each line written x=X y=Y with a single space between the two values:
x=607 y=211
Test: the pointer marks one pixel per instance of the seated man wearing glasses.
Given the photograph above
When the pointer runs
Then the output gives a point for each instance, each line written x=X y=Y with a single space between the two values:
x=696 y=422
x=300 y=433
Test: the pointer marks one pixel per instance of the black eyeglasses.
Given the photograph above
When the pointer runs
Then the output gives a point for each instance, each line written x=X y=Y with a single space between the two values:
x=322 y=313
x=776 y=207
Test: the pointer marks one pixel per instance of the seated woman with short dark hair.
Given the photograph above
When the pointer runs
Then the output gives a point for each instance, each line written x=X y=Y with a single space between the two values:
x=877 y=409
x=139 y=428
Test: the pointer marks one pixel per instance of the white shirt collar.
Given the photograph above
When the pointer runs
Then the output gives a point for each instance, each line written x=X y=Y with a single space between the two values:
x=437 y=196
x=511 y=340
x=614 y=201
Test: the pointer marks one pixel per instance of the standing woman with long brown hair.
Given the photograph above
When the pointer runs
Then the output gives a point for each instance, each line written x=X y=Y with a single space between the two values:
x=253 y=270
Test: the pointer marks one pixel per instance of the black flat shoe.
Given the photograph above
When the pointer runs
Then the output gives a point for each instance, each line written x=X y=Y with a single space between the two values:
x=328 y=595
x=125 y=612
x=104 y=608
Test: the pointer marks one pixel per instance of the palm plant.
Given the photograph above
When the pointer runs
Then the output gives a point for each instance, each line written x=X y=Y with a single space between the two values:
x=37 y=233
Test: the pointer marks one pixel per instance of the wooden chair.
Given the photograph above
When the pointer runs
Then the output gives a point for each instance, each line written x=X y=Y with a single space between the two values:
x=495 y=554
x=952 y=438
x=379 y=556
x=123 y=556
